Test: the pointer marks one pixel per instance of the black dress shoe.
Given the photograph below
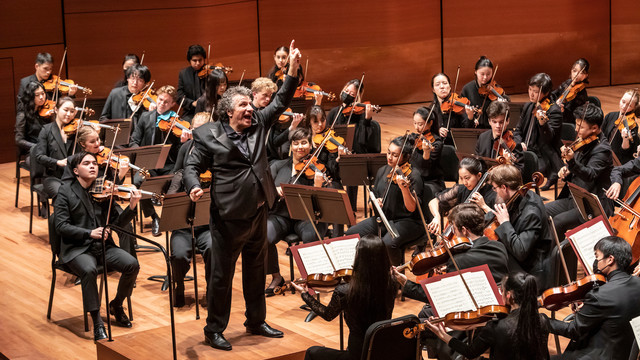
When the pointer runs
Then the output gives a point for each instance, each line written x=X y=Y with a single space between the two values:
x=99 y=333
x=217 y=341
x=119 y=315
x=178 y=296
x=266 y=331
x=269 y=290
x=155 y=226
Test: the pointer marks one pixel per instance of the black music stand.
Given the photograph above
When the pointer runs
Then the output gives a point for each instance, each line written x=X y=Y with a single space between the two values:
x=148 y=157
x=158 y=185
x=123 y=134
x=346 y=132
x=587 y=203
x=358 y=168
x=465 y=139
x=489 y=161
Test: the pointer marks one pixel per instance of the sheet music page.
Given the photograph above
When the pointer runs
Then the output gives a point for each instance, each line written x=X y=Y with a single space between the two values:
x=635 y=325
x=315 y=260
x=585 y=239
x=450 y=295
x=343 y=253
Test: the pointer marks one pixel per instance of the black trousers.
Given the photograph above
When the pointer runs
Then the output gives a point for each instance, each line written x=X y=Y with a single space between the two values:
x=85 y=267
x=325 y=353
x=51 y=184
x=352 y=193
x=408 y=230
x=565 y=215
x=230 y=238
x=280 y=226
x=146 y=205
x=181 y=252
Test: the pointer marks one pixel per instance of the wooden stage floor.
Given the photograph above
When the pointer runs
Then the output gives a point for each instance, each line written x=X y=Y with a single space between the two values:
x=25 y=278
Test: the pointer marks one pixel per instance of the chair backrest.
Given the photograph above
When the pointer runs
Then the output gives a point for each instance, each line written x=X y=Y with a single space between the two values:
x=54 y=237
x=375 y=135
x=530 y=160
x=594 y=100
x=384 y=340
x=449 y=163
x=568 y=132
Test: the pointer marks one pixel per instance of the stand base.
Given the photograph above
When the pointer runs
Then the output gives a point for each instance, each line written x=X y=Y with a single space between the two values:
x=165 y=283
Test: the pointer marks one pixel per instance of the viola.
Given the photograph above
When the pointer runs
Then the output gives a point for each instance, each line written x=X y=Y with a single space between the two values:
x=74 y=125
x=47 y=109
x=359 y=108
x=504 y=146
x=206 y=69
x=424 y=262
x=308 y=90
x=174 y=124
x=556 y=298
x=150 y=98
x=333 y=143
x=458 y=104
x=121 y=192
x=626 y=223
x=310 y=170
x=103 y=158
x=403 y=171
x=492 y=90
x=63 y=85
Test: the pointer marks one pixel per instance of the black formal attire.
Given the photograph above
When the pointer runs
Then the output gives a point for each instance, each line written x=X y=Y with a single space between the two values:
x=337 y=304
x=117 y=107
x=279 y=224
x=527 y=237
x=242 y=190
x=278 y=142
x=459 y=194
x=611 y=132
x=631 y=169
x=406 y=224
x=545 y=140
x=48 y=151
x=457 y=120
x=601 y=328
x=285 y=70
x=569 y=106
x=76 y=215
x=470 y=91
x=484 y=147
x=590 y=169
x=190 y=87
x=430 y=171
x=27 y=130
x=23 y=87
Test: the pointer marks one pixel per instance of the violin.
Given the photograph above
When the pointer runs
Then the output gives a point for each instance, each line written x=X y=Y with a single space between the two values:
x=626 y=222
x=359 y=108
x=314 y=280
x=492 y=90
x=206 y=69
x=448 y=231
x=333 y=143
x=74 y=125
x=121 y=192
x=174 y=124
x=403 y=171
x=206 y=177
x=286 y=116
x=47 y=109
x=63 y=85
x=556 y=298
x=504 y=146
x=103 y=157
x=626 y=122
x=578 y=144
x=151 y=98
x=280 y=74
x=571 y=91
x=463 y=319
x=310 y=170
x=87 y=111
x=424 y=262
x=308 y=90
x=428 y=137
x=458 y=104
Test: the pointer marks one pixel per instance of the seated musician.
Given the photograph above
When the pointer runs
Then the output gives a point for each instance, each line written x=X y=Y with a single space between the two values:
x=367 y=298
x=489 y=140
x=441 y=87
x=588 y=166
x=279 y=224
x=394 y=195
x=317 y=118
x=147 y=132
x=190 y=85
x=119 y=104
x=79 y=220
x=601 y=328
x=425 y=159
x=629 y=170
x=524 y=228
x=579 y=76
x=619 y=137
x=540 y=128
x=483 y=76
x=470 y=172
x=216 y=86
x=128 y=61
x=28 y=119
x=44 y=69
x=281 y=67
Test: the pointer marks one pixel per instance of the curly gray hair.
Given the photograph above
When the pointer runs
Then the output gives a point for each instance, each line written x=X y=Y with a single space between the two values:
x=226 y=103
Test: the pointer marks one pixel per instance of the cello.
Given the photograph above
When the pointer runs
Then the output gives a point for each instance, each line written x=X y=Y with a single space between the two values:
x=626 y=223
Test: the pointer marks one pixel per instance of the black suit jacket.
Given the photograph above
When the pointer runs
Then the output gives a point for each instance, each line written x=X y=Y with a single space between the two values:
x=147 y=133
x=610 y=130
x=484 y=147
x=190 y=87
x=601 y=328
x=117 y=107
x=545 y=139
x=237 y=179
x=76 y=215
x=51 y=148
x=28 y=130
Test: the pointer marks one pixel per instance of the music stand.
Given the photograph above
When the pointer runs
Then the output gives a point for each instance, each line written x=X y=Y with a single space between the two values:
x=515 y=109
x=587 y=203
x=123 y=134
x=346 y=132
x=465 y=139
x=156 y=184
x=358 y=168
x=148 y=157
x=489 y=161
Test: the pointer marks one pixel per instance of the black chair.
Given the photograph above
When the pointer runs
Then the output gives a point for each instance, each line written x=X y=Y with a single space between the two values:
x=291 y=239
x=385 y=340
x=530 y=160
x=35 y=186
x=449 y=163
x=568 y=132
x=21 y=163
x=594 y=100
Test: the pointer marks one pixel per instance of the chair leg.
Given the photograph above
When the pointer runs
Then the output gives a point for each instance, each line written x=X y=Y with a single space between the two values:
x=130 y=310
x=291 y=274
x=17 y=183
x=53 y=287
x=86 y=321
x=31 y=215
x=558 y=351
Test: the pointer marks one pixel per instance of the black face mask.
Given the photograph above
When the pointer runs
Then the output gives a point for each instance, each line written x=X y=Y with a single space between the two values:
x=346 y=98
x=597 y=270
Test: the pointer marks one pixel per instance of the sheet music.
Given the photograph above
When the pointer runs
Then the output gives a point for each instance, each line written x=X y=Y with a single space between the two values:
x=584 y=241
x=450 y=295
x=635 y=325
x=343 y=253
x=315 y=260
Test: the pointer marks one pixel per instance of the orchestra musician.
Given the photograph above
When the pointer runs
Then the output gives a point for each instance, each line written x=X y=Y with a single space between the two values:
x=396 y=200
x=601 y=328
x=280 y=67
x=588 y=167
x=28 y=119
x=486 y=144
x=441 y=87
x=425 y=159
x=80 y=220
x=622 y=140
x=367 y=298
x=483 y=77
x=128 y=61
x=215 y=86
x=118 y=104
x=629 y=170
x=279 y=224
x=44 y=69
x=242 y=191
x=190 y=85
x=317 y=119
x=579 y=79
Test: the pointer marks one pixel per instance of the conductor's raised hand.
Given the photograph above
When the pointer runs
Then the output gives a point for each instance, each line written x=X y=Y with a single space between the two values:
x=294 y=59
x=196 y=193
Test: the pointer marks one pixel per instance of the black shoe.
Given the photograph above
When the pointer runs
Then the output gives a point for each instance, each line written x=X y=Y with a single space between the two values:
x=217 y=341
x=266 y=331
x=119 y=315
x=155 y=226
x=269 y=290
x=553 y=180
x=178 y=296
x=99 y=333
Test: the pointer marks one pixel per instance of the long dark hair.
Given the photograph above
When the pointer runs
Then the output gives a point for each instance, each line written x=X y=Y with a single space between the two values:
x=216 y=78
x=29 y=99
x=529 y=335
x=372 y=290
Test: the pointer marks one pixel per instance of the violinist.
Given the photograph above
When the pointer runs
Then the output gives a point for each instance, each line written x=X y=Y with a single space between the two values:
x=483 y=79
x=128 y=61
x=318 y=121
x=489 y=143
x=28 y=119
x=79 y=220
x=441 y=86
x=623 y=139
x=588 y=165
x=54 y=146
x=523 y=226
x=281 y=67
x=366 y=299
x=216 y=86
x=394 y=194
x=619 y=174
x=190 y=85
x=279 y=224
x=119 y=104
x=471 y=173
x=147 y=132
x=601 y=329
x=522 y=335
x=540 y=127
x=573 y=89
x=44 y=69
x=425 y=159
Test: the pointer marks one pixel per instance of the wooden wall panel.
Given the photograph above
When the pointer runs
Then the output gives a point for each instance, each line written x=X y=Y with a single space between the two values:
x=83 y=6
x=625 y=42
x=397 y=46
x=7 y=111
x=523 y=41
x=98 y=41
x=29 y=23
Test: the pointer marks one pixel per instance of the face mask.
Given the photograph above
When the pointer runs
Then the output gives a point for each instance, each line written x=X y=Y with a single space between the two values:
x=346 y=98
x=596 y=270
